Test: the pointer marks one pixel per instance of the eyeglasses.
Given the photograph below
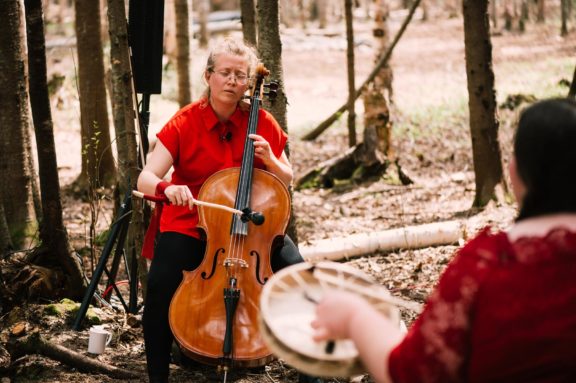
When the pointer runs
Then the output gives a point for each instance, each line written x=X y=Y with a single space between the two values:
x=239 y=77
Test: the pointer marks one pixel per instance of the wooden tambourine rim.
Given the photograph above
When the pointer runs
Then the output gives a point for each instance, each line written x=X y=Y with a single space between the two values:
x=311 y=366
x=319 y=365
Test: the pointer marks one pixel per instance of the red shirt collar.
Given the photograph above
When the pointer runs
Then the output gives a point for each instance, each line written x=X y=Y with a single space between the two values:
x=211 y=120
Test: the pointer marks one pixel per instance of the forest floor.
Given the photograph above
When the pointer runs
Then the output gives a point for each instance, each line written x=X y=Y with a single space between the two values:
x=430 y=140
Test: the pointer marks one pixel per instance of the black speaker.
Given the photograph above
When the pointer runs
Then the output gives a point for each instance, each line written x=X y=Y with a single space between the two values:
x=146 y=37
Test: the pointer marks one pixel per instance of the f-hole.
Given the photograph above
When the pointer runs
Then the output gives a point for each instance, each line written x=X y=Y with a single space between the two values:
x=214 y=263
x=254 y=253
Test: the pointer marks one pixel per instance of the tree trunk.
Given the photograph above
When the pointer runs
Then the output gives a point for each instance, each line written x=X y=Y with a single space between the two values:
x=34 y=187
x=302 y=14
x=122 y=96
x=183 y=52
x=508 y=14
x=564 y=5
x=381 y=62
x=98 y=168
x=322 y=6
x=350 y=64
x=482 y=101
x=494 y=13
x=378 y=95
x=248 y=11
x=124 y=121
x=203 y=10
x=270 y=52
x=5 y=240
x=15 y=187
x=55 y=249
x=523 y=15
x=541 y=15
x=170 y=45
x=453 y=8
x=572 y=90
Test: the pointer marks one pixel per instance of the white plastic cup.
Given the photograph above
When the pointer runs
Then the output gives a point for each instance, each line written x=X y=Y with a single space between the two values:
x=98 y=340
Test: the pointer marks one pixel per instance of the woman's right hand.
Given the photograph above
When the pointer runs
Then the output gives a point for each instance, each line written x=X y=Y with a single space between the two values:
x=334 y=314
x=179 y=195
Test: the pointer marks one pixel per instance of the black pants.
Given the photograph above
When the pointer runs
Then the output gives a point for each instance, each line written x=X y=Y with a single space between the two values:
x=174 y=253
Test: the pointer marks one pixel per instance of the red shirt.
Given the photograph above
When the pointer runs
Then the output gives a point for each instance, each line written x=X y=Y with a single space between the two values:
x=199 y=147
x=502 y=312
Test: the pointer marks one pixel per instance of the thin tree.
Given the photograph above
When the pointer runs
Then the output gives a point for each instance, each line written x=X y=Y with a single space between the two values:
x=378 y=95
x=54 y=249
x=368 y=159
x=98 y=168
x=122 y=96
x=124 y=110
x=183 y=52
x=509 y=14
x=351 y=76
x=5 y=240
x=381 y=62
x=270 y=52
x=494 y=13
x=303 y=13
x=248 y=12
x=541 y=13
x=203 y=10
x=564 y=11
x=322 y=9
x=572 y=90
x=482 y=101
x=524 y=15
x=15 y=188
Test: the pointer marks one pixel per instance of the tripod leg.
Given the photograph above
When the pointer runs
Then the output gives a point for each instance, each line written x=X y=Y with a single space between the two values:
x=124 y=214
x=133 y=303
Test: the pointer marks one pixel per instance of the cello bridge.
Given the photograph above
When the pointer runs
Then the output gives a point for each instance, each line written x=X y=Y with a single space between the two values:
x=231 y=262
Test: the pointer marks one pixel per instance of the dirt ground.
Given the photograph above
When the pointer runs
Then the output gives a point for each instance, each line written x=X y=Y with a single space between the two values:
x=431 y=143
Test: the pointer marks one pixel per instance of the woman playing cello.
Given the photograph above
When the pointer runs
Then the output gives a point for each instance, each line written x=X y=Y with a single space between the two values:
x=199 y=140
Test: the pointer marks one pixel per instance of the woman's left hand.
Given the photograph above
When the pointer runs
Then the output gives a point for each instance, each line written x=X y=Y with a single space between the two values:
x=262 y=149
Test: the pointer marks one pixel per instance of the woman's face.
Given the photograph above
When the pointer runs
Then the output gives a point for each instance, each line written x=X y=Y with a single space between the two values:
x=228 y=79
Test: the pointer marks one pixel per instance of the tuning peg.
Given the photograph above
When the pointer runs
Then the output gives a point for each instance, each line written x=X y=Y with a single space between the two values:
x=272 y=85
x=271 y=94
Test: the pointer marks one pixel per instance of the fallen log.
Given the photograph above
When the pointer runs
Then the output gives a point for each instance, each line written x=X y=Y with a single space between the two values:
x=34 y=343
x=411 y=237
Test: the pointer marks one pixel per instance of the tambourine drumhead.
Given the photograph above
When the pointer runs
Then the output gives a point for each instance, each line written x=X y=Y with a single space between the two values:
x=287 y=306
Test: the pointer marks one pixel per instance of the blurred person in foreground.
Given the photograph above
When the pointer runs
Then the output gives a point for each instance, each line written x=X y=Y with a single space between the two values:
x=504 y=310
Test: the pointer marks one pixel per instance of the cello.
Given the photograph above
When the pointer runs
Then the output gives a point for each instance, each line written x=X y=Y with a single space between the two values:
x=214 y=312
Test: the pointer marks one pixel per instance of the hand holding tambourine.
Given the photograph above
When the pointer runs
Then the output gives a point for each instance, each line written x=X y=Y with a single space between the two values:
x=287 y=307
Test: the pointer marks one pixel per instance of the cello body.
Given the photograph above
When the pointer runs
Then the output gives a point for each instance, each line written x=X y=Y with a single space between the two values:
x=198 y=316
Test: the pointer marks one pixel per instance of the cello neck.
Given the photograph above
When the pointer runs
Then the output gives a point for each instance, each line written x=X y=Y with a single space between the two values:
x=246 y=170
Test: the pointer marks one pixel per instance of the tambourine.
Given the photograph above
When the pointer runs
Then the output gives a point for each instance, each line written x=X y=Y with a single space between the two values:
x=287 y=307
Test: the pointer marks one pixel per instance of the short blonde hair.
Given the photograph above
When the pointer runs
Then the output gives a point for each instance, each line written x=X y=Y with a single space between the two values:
x=233 y=47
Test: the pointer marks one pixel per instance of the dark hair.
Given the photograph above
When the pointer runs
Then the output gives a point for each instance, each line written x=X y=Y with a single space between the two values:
x=545 y=152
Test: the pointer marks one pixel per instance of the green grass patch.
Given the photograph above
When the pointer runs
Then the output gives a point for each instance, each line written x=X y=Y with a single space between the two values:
x=542 y=78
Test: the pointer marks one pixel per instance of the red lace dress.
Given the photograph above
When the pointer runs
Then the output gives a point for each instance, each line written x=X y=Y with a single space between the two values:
x=502 y=312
